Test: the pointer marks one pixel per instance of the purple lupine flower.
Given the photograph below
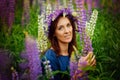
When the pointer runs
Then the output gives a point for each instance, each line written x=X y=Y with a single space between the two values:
x=32 y=63
x=33 y=57
x=82 y=16
x=48 y=69
x=87 y=44
x=89 y=3
x=73 y=67
x=24 y=65
x=23 y=55
x=81 y=26
x=55 y=14
x=73 y=63
x=79 y=5
x=87 y=41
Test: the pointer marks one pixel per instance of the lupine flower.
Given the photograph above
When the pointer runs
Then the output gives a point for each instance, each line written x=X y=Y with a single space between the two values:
x=42 y=37
x=87 y=46
x=81 y=17
x=55 y=14
x=90 y=25
x=48 y=69
x=73 y=65
x=42 y=43
x=74 y=68
x=48 y=9
x=89 y=6
x=79 y=5
x=32 y=56
x=74 y=61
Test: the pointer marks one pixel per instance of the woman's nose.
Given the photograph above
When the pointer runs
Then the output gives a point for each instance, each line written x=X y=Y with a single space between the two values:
x=66 y=30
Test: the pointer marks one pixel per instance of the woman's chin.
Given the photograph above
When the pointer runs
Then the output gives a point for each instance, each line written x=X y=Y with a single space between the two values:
x=68 y=41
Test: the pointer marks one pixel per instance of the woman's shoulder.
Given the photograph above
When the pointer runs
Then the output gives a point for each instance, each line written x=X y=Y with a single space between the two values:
x=50 y=54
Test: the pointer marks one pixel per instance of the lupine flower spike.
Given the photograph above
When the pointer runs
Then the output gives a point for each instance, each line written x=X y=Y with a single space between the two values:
x=42 y=38
x=90 y=25
x=74 y=61
x=48 y=69
x=73 y=64
x=89 y=3
x=32 y=56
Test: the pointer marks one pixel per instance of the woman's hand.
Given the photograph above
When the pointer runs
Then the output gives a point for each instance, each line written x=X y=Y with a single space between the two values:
x=88 y=60
x=84 y=61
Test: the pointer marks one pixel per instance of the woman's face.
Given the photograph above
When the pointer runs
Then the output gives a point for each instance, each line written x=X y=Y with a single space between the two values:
x=64 y=30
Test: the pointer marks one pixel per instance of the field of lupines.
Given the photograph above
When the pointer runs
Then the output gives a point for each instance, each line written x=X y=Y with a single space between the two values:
x=105 y=41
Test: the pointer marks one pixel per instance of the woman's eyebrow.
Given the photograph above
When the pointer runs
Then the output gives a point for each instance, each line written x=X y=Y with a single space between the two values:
x=60 y=25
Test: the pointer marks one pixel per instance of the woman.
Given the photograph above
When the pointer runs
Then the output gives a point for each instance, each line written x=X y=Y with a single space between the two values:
x=62 y=38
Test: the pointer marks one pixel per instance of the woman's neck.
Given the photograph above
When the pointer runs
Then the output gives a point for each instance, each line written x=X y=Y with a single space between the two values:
x=63 y=49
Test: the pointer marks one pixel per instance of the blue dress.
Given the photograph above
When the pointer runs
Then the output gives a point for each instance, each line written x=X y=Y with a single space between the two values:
x=60 y=63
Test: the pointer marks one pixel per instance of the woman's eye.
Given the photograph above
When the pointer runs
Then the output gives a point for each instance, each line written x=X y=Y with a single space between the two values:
x=68 y=25
x=60 y=28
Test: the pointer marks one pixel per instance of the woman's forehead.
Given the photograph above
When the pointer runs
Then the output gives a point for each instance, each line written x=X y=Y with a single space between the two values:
x=63 y=21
